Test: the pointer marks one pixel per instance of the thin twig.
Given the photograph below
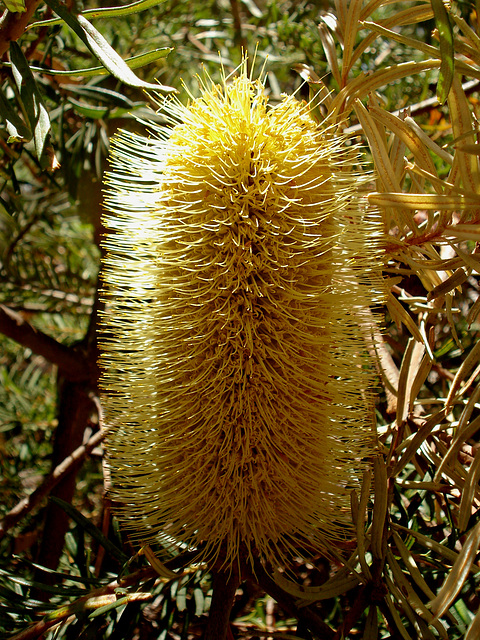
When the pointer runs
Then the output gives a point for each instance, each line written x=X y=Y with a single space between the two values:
x=35 y=630
x=30 y=502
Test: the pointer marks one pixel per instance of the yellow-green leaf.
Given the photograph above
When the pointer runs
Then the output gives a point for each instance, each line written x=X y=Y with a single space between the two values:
x=16 y=6
x=445 y=34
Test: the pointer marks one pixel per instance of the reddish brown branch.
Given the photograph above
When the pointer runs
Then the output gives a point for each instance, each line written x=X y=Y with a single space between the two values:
x=225 y=584
x=72 y=365
x=74 y=411
x=13 y=24
x=35 y=630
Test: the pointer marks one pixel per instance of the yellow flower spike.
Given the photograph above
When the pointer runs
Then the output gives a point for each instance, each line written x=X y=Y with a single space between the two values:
x=239 y=263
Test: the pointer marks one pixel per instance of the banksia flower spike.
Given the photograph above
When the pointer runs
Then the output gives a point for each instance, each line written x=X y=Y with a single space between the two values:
x=238 y=270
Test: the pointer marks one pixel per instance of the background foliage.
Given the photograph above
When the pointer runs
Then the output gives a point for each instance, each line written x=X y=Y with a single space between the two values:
x=405 y=77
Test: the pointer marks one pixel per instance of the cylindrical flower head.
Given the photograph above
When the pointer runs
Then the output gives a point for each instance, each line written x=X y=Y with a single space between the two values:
x=239 y=266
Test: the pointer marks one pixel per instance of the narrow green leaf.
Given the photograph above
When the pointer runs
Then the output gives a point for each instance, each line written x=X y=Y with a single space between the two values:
x=135 y=62
x=360 y=523
x=102 y=50
x=199 y=601
x=16 y=127
x=100 y=94
x=58 y=590
x=91 y=529
x=95 y=113
x=411 y=597
x=432 y=545
x=89 y=111
x=7 y=228
x=394 y=592
x=111 y=60
x=60 y=576
x=31 y=98
x=457 y=278
x=404 y=379
x=330 y=50
x=344 y=580
x=371 y=624
x=106 y=12
x=429 y=201
x=445 y=34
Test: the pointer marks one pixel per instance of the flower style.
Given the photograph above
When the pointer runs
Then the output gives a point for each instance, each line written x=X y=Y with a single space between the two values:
x=240 y=261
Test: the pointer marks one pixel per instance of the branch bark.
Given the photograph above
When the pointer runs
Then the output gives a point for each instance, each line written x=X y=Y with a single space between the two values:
x=75 y=408
x=13 y=24
x=225 y=583
x=72 y=365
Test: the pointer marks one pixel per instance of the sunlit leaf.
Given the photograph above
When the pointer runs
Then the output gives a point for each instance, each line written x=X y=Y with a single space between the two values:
x=463 y=131
x=17 y=6
x=350 y=32
x=135 y=62
x=16 y=127
x=106 y=12
x=31 y=98
x=424 y=201
x=97 y=44
x=445 y=33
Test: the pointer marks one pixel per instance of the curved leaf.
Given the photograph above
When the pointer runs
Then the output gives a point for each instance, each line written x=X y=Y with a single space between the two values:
x=31 y=98
x=445 y=33
x=102 y=50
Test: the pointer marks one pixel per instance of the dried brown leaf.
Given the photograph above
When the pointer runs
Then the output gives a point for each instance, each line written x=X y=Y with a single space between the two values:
x=467 y=365
x=462 y=124
x=413 y=445
x=468 y=493
x=458 y=574
x=380 y=507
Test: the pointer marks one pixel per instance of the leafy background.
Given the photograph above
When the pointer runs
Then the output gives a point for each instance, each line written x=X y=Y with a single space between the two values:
x=403 y=78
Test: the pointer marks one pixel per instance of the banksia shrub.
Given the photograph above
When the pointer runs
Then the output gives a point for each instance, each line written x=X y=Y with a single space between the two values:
x=241 y=262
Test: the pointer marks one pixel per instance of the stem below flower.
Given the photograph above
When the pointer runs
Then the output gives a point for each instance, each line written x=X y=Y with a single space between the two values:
x=225 y=584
